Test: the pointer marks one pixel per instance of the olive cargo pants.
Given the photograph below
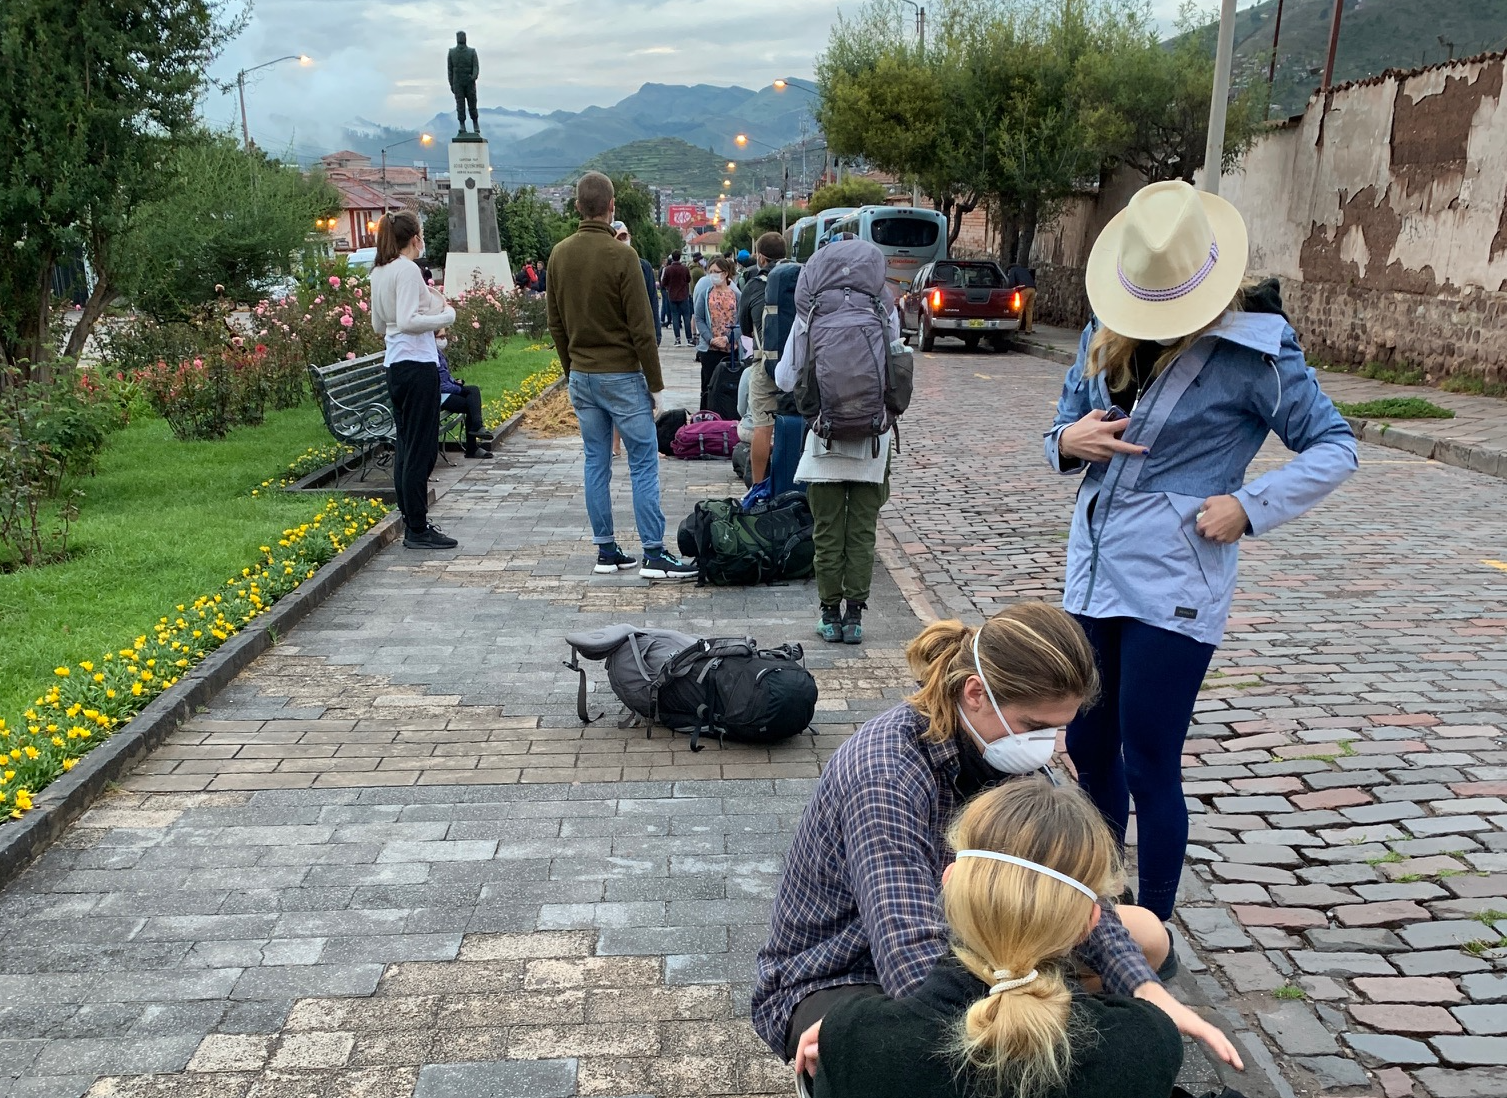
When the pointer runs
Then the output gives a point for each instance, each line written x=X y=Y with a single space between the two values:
x=846 y=514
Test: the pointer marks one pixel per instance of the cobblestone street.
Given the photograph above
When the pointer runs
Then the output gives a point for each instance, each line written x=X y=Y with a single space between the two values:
x=388 y=861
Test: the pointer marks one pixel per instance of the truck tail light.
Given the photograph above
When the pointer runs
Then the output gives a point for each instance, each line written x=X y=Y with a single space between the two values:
x=936 y=300
x=1015 y=301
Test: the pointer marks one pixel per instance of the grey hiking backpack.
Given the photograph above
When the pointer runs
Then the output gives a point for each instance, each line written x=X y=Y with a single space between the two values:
x=727 y=687
x=852 y=384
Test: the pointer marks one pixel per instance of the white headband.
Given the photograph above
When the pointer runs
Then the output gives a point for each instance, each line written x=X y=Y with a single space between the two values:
x=1035 y=866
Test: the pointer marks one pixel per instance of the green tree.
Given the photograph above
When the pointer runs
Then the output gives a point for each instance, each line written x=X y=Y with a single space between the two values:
x=766 y=219
x=1151 y=107
x=226 y=223
x=93 y=94
x=849 y=192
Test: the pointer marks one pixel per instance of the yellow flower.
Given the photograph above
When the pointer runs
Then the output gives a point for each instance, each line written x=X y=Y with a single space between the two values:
x=23 y=800
x=60 y=672
x=87 y=666
x=136 y=689
x=32 y=752
x=69 y=764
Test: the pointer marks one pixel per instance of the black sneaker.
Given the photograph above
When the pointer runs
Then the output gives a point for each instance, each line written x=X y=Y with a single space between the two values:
x=659 y=565
x=1169 y=968
x=829 y=628
x=611 y=559
x=478 y=454
x=430 y=537
x=852 y=623
x=483 y=437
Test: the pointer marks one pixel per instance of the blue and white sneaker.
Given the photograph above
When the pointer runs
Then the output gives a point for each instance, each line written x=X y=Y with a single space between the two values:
x=611 y=559
x=659 y=565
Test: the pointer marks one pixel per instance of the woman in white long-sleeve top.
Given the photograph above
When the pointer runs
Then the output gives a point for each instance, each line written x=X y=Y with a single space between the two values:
x=1178 y=383
x=407 y=312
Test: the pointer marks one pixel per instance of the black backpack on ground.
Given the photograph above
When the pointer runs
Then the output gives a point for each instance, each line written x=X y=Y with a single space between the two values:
x=766 y=542
x=727 y=687
x=669 y=421
x=743 y=463
x=722 y=390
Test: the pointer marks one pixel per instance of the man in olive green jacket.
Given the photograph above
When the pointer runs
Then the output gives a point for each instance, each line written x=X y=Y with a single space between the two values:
x=604 y=330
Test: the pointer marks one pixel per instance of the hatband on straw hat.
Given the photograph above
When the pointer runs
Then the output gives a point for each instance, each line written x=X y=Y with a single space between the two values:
x=1168 y=264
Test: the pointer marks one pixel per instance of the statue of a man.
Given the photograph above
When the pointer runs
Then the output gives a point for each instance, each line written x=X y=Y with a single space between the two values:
x=464 y=68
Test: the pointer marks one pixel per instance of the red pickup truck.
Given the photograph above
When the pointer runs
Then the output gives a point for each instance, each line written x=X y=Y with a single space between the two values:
x=967 y=299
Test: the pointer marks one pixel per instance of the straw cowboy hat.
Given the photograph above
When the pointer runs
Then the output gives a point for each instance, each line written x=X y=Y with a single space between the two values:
x=1168 y=264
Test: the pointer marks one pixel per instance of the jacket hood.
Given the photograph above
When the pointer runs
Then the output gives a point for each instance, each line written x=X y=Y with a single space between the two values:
x=1261 y=332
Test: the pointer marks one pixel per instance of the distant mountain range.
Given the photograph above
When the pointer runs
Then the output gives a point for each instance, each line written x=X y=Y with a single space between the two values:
x=671 y=162
x=536 y=148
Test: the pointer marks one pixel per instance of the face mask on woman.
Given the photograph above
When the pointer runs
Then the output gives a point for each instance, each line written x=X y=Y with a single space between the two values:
x=1011 y=753
x=718 y=278
x=441 y=342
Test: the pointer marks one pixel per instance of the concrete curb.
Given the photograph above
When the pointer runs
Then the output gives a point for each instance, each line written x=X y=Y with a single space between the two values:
x=73 y=794
x=1446 y=451
x=68 y=798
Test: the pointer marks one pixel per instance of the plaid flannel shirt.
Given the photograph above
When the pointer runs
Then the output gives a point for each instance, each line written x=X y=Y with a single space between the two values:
x=859 y=900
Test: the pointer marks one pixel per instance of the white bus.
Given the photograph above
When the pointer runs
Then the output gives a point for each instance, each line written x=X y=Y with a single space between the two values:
x=908 y=236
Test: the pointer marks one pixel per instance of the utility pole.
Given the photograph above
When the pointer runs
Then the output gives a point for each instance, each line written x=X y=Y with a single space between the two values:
x=240 y=81
x=1220 y=99
x=1334 y=41
x=1271 y=72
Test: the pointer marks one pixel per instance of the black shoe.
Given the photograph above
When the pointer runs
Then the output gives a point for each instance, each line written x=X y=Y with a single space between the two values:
x=852 y=622
x=1169 y=968
x=430 y=537
x=482 y=437
x=479 y=452
x=829 y=628
x=659 y=564
x=611 y=559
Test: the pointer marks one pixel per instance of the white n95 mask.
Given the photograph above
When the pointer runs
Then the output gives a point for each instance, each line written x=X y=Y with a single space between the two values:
x=1012 y=753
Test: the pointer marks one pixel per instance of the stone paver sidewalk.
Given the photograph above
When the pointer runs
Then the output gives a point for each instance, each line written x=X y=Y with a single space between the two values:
x=390 y=862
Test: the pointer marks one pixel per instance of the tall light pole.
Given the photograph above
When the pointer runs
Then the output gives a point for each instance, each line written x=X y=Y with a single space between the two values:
x=742 y=141
x=240 y=83
x=920 y=23
x=1220 y=98
x=422 y=139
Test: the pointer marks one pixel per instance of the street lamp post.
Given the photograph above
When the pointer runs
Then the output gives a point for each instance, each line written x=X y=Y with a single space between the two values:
x=422 y=139
x=920 y=23
x=240 y=83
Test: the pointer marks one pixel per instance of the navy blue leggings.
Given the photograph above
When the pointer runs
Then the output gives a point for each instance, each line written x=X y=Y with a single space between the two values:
x=1130 y=744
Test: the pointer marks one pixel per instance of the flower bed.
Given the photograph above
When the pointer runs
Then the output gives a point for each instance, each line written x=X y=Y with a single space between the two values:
x=497 y=412
x=90 y=701
x=311 y=460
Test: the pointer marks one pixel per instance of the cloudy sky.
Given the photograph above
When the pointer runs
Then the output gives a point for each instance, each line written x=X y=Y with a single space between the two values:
x=384 y=60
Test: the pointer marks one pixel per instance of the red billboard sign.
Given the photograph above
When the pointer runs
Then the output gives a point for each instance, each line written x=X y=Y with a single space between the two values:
x=682 y=217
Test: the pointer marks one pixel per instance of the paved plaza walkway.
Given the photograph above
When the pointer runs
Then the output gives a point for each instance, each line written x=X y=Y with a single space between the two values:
x=388 y=861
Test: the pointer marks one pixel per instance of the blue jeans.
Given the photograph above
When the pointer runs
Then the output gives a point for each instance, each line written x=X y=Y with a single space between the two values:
x=680 y=315
x=1130 y=744
x=602 y=402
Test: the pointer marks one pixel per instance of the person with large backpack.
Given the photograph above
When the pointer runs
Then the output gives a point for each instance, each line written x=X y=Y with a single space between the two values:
x=765 y=317
x=851 y=376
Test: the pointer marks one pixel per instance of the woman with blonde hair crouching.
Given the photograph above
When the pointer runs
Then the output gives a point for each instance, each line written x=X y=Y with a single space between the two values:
x=1000 y=1014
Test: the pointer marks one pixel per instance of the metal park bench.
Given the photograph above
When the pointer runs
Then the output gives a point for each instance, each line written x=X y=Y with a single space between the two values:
x=357 y=409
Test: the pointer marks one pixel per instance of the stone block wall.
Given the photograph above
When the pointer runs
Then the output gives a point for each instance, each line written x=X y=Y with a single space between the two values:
x=1444 y=334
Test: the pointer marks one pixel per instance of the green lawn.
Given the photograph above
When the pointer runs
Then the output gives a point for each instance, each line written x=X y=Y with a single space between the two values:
x=165 y=521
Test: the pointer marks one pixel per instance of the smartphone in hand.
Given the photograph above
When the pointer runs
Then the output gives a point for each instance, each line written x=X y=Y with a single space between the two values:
x=1114 y=414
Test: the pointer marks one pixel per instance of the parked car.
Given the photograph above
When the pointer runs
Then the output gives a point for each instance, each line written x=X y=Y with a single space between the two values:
x=362 y=260
x=963 y=298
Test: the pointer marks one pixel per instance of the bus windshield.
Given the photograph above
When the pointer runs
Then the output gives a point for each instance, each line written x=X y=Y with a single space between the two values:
x=904 y=232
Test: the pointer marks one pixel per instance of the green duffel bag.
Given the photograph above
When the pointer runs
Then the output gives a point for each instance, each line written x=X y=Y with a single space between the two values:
x=766 y=542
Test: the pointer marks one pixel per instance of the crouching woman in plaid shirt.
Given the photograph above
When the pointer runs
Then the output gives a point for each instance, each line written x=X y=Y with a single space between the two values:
x=856 y=912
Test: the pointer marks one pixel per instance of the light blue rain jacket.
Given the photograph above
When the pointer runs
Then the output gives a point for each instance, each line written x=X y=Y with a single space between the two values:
x=1133 y=550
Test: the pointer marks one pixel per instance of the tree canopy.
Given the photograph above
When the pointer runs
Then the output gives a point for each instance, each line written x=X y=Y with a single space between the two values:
x=92 y=95
x=1021 y=103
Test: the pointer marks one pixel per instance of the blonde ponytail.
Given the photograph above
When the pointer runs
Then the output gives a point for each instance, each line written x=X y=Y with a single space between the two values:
x=1007 y=919
x=1030 y=652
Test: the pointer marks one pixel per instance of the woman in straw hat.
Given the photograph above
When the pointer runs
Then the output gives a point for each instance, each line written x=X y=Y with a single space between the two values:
x=1002 y=1013
x=1178 y=382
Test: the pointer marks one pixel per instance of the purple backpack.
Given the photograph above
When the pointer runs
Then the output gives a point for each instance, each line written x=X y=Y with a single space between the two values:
x=706 y=437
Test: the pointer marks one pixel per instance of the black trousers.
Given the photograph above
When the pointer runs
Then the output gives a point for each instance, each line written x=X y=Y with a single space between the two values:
x=468 y=400
x=415 y=391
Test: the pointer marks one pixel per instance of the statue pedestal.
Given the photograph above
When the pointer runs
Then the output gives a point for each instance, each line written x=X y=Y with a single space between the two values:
x=475 y=247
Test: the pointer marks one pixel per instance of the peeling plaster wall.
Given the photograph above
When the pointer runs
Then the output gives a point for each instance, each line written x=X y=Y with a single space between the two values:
x=1386 y=218
x=1385 y=215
